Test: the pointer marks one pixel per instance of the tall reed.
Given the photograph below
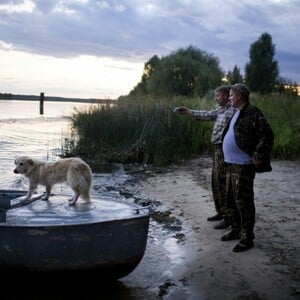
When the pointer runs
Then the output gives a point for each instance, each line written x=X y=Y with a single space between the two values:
x=147 y=130
x=283 y=113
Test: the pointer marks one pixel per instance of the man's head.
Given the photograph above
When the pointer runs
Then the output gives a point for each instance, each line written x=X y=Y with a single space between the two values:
x=239 y=95
x=222 y=94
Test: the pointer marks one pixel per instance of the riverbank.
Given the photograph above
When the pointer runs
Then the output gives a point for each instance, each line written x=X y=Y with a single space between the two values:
x=199 y=265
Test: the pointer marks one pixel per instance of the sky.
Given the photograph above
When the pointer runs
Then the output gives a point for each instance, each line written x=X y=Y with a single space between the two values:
x=97 y=49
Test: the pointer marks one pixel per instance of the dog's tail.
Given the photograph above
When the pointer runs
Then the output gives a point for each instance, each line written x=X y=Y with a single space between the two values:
x=85 y=191
x=85 y=195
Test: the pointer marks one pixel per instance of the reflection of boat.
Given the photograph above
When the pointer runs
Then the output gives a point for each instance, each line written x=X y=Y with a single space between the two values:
x=105 y=236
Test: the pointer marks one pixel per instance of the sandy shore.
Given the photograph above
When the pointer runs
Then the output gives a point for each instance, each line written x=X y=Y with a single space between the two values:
x=203 y=267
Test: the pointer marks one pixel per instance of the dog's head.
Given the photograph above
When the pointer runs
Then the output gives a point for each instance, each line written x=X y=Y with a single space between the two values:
x=24 y=165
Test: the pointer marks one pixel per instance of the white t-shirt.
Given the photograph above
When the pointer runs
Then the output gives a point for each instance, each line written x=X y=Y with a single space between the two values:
x=232 y=153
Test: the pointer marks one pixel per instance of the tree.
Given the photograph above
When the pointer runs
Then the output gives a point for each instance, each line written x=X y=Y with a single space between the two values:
x=142 y=87
x=234 y=76
x=261 y=72
x=186 y=72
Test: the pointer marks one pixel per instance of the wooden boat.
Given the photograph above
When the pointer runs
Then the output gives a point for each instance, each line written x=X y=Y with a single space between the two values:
x=105 y=236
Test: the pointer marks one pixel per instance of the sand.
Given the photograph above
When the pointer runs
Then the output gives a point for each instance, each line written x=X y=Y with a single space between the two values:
x=204 y=267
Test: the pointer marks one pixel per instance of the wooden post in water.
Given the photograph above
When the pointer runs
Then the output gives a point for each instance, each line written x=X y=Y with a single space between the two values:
x=41 y=103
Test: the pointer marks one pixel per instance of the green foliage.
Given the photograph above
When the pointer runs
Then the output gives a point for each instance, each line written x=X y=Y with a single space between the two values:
x=147 y=131
x=261 y=72
x=141 y=127
x=282 y=112
x=143 y=130
x=142 y=87
x=186 y=72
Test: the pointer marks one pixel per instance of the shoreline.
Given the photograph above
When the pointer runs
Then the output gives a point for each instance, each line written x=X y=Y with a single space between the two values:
x=199 y=265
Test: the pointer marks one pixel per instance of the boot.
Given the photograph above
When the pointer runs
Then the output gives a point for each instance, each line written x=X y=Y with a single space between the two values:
x=223 y=224
x=216 y=217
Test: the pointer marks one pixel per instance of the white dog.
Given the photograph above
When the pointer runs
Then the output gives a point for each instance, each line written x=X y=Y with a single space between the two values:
x=74 y=171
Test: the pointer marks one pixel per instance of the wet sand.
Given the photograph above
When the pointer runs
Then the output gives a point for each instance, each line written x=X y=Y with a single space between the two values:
x=187 y=260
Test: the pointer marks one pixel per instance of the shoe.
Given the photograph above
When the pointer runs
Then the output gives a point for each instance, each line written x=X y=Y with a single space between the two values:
x=216 y=217
x=222 y=225
x=231 y=235
x=243 y=245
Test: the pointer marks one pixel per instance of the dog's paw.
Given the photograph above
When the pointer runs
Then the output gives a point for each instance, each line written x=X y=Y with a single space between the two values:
x=72 y=202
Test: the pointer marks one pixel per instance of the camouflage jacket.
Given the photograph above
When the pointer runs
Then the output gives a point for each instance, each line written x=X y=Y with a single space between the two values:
x=254 y=135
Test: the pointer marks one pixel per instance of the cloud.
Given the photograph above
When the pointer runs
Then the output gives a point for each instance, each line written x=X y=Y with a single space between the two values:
x=135 y=30
x=26 y=6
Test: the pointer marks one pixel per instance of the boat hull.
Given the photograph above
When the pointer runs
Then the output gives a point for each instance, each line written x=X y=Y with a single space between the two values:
x=111 y=247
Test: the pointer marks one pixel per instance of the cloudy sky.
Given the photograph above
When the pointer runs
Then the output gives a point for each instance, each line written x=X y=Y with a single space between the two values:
x=88 y=48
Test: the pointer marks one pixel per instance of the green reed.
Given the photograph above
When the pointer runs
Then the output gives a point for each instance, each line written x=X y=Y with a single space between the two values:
x=283 y=114
x=146 y=130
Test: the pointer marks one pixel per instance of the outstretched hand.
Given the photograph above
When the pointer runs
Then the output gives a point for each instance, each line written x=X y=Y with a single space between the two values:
x=182 y=110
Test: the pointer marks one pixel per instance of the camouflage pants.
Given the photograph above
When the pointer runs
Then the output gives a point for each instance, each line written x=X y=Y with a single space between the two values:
x=218 y=181
x=240 y=207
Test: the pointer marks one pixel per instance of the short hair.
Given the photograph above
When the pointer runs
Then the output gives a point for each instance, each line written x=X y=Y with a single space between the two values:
x=241 y=88
x=224 y=89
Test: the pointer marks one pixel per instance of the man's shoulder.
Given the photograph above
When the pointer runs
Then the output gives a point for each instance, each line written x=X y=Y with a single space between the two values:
x=251 y=109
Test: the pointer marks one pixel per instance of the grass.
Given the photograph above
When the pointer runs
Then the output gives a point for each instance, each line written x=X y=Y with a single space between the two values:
x=283 y=114
x=146 y=130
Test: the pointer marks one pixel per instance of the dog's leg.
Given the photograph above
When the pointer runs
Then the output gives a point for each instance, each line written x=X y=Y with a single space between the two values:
x=74 y=199
x=48 y=192
x=32 y=188
x=28 y=196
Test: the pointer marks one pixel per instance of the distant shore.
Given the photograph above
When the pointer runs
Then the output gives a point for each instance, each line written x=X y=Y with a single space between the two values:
x=53 y=98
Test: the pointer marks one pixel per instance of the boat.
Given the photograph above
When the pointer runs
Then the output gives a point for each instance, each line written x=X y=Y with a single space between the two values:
x=108 y=237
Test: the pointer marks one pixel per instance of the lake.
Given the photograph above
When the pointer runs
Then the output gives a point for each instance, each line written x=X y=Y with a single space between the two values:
x=23 y=131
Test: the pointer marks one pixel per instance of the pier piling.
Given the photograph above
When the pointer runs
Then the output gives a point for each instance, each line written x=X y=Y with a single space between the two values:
x=41 y=103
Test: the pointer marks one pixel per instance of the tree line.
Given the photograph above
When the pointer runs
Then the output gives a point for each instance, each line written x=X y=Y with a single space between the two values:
x=142 y=128
x=193 y=72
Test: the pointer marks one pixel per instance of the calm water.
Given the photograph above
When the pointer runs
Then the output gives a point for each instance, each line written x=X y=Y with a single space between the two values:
x=23 y=131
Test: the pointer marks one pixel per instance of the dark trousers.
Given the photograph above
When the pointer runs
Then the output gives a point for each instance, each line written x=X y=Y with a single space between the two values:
x=218 y=181
x=240 y=205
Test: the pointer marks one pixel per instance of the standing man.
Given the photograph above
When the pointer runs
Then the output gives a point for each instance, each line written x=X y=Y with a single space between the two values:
x=247 y=145
x=221 y=115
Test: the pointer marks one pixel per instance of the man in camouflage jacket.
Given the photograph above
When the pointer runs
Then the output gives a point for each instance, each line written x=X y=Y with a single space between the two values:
x=247 y=144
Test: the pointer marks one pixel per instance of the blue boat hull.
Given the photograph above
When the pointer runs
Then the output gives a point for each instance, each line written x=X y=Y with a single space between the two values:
x=64 y=239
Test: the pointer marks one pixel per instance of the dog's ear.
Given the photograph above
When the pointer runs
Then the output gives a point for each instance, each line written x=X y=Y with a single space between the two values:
x=30 y=161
